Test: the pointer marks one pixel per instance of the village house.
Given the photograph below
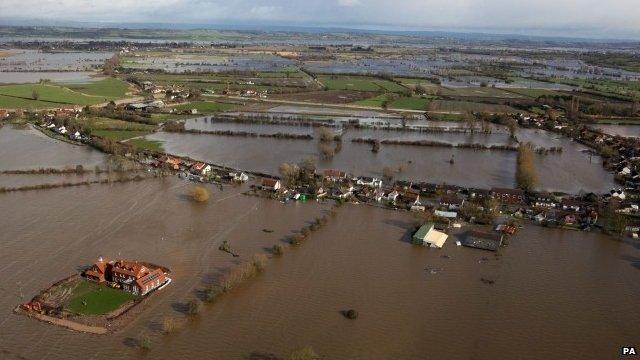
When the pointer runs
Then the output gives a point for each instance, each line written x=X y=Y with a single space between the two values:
x=333 y=175
x=238 y=177
x=172 y=162
x=369 y=181
x=428 y=235
x=508 y=196
x=543 y=200
x=270 y=184
x=410 y=198
x=343 y=192
x=451 y=201
x=200 y=168
x=572 y=205
x=392 y=195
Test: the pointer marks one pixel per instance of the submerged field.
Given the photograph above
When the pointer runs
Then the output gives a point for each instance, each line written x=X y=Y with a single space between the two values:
x=300 y=296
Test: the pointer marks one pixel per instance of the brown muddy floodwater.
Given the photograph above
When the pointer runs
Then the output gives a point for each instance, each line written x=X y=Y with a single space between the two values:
x=557 y=294
x=30 y=149
x=571 y=171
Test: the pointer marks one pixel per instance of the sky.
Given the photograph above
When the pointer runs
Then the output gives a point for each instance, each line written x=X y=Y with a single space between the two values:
x=582 y=18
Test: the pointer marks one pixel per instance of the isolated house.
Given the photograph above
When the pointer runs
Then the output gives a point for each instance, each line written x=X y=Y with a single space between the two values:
x=136 y=277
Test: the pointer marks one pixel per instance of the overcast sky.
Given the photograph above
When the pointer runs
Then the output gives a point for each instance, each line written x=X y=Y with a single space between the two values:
x=590 y=18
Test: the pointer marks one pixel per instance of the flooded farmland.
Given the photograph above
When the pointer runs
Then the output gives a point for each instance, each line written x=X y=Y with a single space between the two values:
x=573 y=169
x=552 y=287
x=30 y=149
x=620 y=130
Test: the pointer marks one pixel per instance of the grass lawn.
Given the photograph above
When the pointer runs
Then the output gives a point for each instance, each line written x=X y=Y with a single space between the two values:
x=118 y=135
x=111 y=88
x=142 y=143
x=94 y=299
x=205 y=106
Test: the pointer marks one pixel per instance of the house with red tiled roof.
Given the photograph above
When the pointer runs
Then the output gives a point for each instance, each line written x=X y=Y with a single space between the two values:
x=98 y=271
x=136 y=277
x=132 y=276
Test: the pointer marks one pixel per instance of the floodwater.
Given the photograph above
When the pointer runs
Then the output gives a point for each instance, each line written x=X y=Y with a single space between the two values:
x=620 y=130
x=571 y=171
x=36 y=60
x=30 y=149
x=557 y=294
x=21 y=77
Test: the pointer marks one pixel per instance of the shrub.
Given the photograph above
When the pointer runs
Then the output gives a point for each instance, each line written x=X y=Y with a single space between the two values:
x=169 y=324
x=305 y=231
x=350 y=314
x=200 y=194
x=144 y=342
x=306 y=353
x=276 y=250
x=259 y=261
x=297 y=239
x=212 y=292
x=194 y=307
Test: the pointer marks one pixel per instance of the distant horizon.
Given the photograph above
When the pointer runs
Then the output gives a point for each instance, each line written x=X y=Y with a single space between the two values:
x=329 y=28
x=588 y=19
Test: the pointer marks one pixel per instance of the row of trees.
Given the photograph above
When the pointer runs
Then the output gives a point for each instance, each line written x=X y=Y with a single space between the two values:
x=526 y=175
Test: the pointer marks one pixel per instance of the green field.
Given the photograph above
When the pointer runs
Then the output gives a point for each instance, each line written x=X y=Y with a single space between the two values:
x=94 y=299
x=103 y=123
x=118 y=135
x=375 y=101
x=205 y=106
x=359 y=83
x=110 y=88
x=142 y=143
x=409 y=103
x=45 y=95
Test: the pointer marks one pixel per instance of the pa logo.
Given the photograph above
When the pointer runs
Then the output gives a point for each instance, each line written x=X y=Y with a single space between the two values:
x=628 y=350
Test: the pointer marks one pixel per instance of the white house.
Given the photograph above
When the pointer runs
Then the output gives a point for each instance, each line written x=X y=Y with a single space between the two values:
x=239 y=177
x=369 y=181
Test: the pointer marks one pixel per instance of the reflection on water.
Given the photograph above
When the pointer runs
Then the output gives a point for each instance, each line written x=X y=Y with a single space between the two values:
x=571 y=171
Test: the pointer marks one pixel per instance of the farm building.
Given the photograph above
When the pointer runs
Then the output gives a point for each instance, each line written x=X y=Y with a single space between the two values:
x=428 y=235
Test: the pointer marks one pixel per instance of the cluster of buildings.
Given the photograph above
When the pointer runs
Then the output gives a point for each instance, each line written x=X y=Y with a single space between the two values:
x=194 y=170
x=132 y=276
